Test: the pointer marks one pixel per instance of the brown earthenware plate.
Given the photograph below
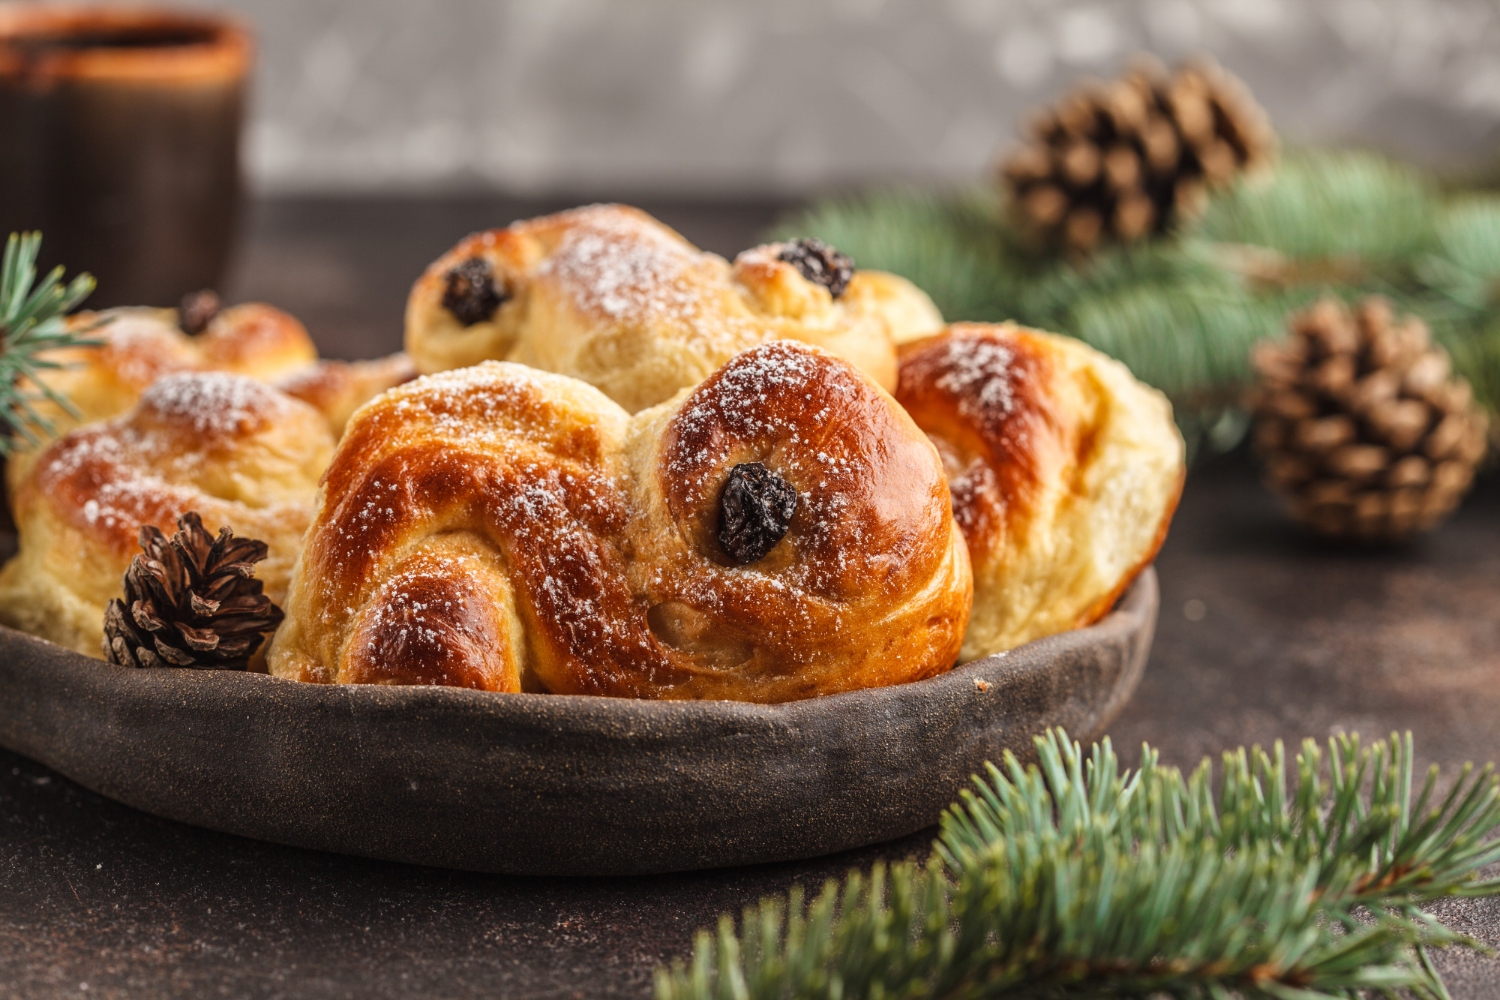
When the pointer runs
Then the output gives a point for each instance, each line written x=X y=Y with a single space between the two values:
x=556 y=784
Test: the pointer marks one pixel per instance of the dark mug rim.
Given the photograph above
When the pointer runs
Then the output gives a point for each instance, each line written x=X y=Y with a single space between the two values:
x=156 y=44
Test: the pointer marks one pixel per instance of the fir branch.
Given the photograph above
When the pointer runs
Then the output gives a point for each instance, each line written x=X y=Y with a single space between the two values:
x=1330 y=206
x=1411 y=852
x=1183 y=311
x=1075 y=878
x=32 y=324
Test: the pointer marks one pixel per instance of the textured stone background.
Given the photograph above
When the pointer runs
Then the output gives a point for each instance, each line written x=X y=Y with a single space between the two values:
x=792 y=96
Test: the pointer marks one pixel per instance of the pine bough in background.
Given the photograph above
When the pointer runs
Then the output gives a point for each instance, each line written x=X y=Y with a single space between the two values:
x=1080 y=880
x=1184 y=310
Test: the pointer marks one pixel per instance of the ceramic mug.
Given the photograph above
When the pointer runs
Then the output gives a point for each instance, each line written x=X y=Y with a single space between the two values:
x=120 y=141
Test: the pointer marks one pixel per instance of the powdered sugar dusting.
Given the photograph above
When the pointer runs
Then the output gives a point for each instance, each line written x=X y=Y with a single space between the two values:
x=742 y=394
x=621 y=267
x=637 y=272
x=214 y=403
x=495 y=403
x=104 y=462
x=979 y=374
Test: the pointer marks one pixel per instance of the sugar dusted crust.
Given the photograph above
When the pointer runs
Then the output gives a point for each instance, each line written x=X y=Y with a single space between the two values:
x=587 y=535
x=611 y=296
x=1065 y=472
x=138 y=346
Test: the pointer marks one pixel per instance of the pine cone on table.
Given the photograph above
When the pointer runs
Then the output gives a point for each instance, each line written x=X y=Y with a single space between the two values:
x=1361 y=426
x=1123 y=159
x=191 y=600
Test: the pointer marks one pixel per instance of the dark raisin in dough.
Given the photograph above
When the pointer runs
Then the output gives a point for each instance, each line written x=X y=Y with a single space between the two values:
x=820 y=263
x=198 y=309
x=472 y=295
x=755 y=511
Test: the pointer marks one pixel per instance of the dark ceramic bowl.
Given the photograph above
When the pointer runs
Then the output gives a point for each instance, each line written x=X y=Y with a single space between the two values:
x=556 y=784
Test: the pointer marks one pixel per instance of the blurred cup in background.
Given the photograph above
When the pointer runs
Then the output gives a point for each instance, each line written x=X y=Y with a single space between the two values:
x=119 y=140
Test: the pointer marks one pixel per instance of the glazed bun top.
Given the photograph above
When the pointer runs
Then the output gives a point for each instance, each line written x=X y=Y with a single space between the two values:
x=140 y=345
x=611 y=296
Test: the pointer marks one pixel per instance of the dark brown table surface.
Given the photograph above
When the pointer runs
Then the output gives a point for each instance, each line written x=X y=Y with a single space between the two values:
x=1288 y=638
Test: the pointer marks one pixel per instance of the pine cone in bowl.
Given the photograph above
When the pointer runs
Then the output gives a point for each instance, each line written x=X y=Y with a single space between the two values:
x=191 y=600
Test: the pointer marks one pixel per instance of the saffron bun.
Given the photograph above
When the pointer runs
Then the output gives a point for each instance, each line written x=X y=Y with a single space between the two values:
x=235 y=450
x=1065 y=472
x=504 y=528
x=137 y=346
x=609 y=295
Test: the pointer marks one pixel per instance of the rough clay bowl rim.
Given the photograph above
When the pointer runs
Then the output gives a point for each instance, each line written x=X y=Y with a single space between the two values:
x=556 y=784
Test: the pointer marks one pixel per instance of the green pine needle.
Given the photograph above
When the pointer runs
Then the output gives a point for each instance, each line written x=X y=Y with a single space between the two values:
x=1330 y=206
x=1183 y=311
x=33 y=321
x=1074 y=878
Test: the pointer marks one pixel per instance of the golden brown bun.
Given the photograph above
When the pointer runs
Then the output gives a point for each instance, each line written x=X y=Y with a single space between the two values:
x=141 y=345
x=609 y=295
x=337 y=388
x=233 y=449
x=503 y=528
x=1065 y=472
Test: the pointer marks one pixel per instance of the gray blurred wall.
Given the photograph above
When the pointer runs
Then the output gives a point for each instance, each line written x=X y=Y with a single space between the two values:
x=792 y=96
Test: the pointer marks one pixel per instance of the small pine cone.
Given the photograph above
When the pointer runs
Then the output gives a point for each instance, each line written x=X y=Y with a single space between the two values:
x=190 y=601
x=1122 y=159
x=1361 y=425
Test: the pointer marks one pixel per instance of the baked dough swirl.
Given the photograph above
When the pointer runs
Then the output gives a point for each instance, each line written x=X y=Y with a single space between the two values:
x=502 y=528
x=1065 y=472
x=609 y=295
x=235 y=450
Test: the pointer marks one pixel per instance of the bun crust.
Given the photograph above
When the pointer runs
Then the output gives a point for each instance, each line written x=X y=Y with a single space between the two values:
x=508 y=529
x=139 y=346
x=237 y=451
x=337 y=388
x=1065 y=472
x=609 y=295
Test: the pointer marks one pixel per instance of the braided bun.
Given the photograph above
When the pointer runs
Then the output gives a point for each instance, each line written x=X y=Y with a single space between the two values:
x=609 y=295
x=1065 y=472
x=237 y=451
x=782 y=531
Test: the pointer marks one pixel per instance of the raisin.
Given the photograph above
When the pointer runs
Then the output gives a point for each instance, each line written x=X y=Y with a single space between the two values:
x=820 y=263
x=472 y=294
x=755 y=511
x=198 y=309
